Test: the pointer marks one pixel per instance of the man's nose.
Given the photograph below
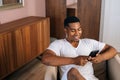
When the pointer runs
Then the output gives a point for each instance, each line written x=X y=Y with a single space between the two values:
x=76 y=32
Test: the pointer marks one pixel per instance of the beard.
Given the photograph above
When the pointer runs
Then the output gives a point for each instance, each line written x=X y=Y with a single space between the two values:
x=76 y=38
x=72 y=38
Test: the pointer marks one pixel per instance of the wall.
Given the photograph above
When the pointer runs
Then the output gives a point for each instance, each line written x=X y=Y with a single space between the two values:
x=31 y=8
x=69 y=2
x=109 y=33
x=110 y=23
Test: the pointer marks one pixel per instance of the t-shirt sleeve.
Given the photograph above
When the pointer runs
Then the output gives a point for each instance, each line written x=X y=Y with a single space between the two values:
x=55 y=47
x=98 y=45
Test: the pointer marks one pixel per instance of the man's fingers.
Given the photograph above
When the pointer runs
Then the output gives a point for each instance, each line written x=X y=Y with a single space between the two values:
x=97 y=54
x=89 y=58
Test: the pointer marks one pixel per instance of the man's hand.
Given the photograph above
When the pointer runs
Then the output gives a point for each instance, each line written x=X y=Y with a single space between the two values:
x=96 y=59
x=81 y=60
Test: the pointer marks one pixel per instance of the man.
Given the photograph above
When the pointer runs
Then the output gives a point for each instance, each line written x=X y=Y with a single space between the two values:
x=72 y=53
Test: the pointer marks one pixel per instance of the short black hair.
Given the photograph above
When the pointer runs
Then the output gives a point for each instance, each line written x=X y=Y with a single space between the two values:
x=70 y=19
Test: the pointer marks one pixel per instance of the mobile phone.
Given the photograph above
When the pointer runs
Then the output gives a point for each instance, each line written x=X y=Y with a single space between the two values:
x=93 y=53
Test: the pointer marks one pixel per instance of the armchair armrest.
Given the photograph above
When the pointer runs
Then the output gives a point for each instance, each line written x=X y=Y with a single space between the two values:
x=51 y=73
x=113 y=68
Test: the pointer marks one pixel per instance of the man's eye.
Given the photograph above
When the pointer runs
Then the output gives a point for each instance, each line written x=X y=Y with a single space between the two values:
x=79 y=29
x=72 y=30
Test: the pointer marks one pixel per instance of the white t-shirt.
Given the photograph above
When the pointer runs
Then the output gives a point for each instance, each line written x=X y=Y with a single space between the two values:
x=63 y=48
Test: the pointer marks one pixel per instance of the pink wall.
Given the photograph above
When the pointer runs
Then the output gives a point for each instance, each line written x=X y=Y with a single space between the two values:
x=69 y=2
x=31 y=8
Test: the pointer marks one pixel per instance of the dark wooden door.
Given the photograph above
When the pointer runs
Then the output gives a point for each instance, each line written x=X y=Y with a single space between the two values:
x=56 y=10
x=89 y=14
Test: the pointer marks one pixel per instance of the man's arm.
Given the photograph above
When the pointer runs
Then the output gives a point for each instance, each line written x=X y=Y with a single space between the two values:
x=49 y=58
x=108 y=52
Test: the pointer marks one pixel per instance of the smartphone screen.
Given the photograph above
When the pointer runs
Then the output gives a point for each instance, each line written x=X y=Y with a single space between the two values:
x=93 y=53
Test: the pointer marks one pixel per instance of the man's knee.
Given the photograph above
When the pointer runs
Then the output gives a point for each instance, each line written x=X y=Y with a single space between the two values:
x=73 y=74
x=73 y=71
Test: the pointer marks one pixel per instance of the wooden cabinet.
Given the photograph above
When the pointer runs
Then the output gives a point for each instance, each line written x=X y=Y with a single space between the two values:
x=6 y=54
x=21 y=41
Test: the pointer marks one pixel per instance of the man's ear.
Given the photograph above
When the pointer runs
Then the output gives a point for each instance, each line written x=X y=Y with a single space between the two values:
x=65 y=30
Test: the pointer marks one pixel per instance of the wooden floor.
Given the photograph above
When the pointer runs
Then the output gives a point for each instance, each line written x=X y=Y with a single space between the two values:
x=33 y=71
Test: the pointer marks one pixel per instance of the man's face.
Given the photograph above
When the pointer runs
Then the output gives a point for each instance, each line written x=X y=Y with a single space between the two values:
x=73 y=31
